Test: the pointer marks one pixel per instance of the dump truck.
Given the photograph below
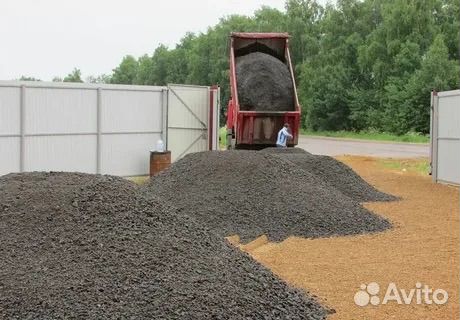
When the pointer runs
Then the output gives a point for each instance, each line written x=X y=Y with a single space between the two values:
x=251 y=124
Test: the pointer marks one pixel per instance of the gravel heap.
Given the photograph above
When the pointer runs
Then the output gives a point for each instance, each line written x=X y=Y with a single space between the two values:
x=334 y=173
x=264 y=83
x=284 y=150
x=79 y=246
x=251 y=193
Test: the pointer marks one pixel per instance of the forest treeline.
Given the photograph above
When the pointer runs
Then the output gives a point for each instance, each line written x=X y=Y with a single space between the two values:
x=360 y=65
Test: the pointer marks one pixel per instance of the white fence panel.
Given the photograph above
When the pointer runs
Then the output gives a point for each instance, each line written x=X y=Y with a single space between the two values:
x=448 y=161
x=60 y=127
x=118 y=150
x=449 y=116
x=131 y=124
x=188 y=119
x=10 y=130
x=131 y=111
x=61 y=153
x=445 y=135
x=9 y=155
x=10 y=101
x=55 y=110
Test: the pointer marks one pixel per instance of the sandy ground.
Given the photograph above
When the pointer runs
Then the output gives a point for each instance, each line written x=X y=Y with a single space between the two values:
x=422 y=247
x=337 y=146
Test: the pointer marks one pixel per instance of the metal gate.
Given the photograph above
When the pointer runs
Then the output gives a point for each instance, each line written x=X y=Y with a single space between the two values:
x=445 y=137
x=192 y=119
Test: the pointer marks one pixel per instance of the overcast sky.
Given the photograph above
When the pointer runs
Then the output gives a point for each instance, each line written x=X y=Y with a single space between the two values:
x=47 y=38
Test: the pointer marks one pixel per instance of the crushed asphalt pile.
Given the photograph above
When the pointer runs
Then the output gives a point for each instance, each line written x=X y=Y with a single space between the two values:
x=284 y=150
x=79 y=246
x=264 y=83
x=253 y=193
x=334 y=173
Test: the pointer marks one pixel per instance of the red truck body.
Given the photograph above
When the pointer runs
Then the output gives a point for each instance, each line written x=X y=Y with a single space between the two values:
x=259 y=129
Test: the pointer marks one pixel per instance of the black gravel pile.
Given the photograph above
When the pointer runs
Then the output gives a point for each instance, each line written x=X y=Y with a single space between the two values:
x=336 y=174
x=250 y=193
x=264 y=83
x=76 y=246
x=284 y=150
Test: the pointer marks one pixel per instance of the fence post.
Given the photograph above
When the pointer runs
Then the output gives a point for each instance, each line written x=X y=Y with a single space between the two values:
x=22 y=118
x=434 y=137
x=164 y=113
x=98 y=137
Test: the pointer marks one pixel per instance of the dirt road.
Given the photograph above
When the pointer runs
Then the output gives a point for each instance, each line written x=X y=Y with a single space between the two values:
x=336 y=147
x=421 y=248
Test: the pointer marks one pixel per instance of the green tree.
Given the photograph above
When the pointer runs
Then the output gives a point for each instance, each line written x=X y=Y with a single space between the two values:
x=126 y=72
x=102 y=78
x=302 y=21
x=437 y=73
x=162 y=66
x=327 y=100
x=328 y=77
x=267 y=19
x=144 y=71
x=447 y=17
x=74 y=76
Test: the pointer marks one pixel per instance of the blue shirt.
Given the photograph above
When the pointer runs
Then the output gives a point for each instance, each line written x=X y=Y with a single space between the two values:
x=283 y=134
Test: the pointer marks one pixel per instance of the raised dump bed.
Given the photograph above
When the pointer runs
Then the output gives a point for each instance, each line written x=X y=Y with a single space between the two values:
x=263 y=90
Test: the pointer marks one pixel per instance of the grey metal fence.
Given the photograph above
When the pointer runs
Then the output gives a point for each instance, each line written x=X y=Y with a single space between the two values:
x=79 y=127
x=445 y=137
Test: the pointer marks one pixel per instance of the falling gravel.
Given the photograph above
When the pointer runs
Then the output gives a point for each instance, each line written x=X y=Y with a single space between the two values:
x=252 y=193
x=79 y=246
x=264 y=83
x=334 y=173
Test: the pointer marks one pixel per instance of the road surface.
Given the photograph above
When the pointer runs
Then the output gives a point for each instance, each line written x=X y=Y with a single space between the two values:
x=335 y=147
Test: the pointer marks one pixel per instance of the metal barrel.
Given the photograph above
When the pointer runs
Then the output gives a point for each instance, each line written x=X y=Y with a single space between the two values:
x=159 y=161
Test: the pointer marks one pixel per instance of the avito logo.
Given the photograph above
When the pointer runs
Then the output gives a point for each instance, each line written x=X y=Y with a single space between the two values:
x=421 y=294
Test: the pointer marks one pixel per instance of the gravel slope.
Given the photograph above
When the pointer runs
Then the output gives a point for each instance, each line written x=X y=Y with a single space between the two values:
x=78 y=246
x=250 y=193
x=334 y=173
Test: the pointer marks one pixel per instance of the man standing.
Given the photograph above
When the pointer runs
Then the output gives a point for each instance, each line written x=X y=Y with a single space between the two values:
x=283 y=135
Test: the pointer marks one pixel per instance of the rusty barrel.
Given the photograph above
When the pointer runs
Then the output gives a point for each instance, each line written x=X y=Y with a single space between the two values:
x=159 y=161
